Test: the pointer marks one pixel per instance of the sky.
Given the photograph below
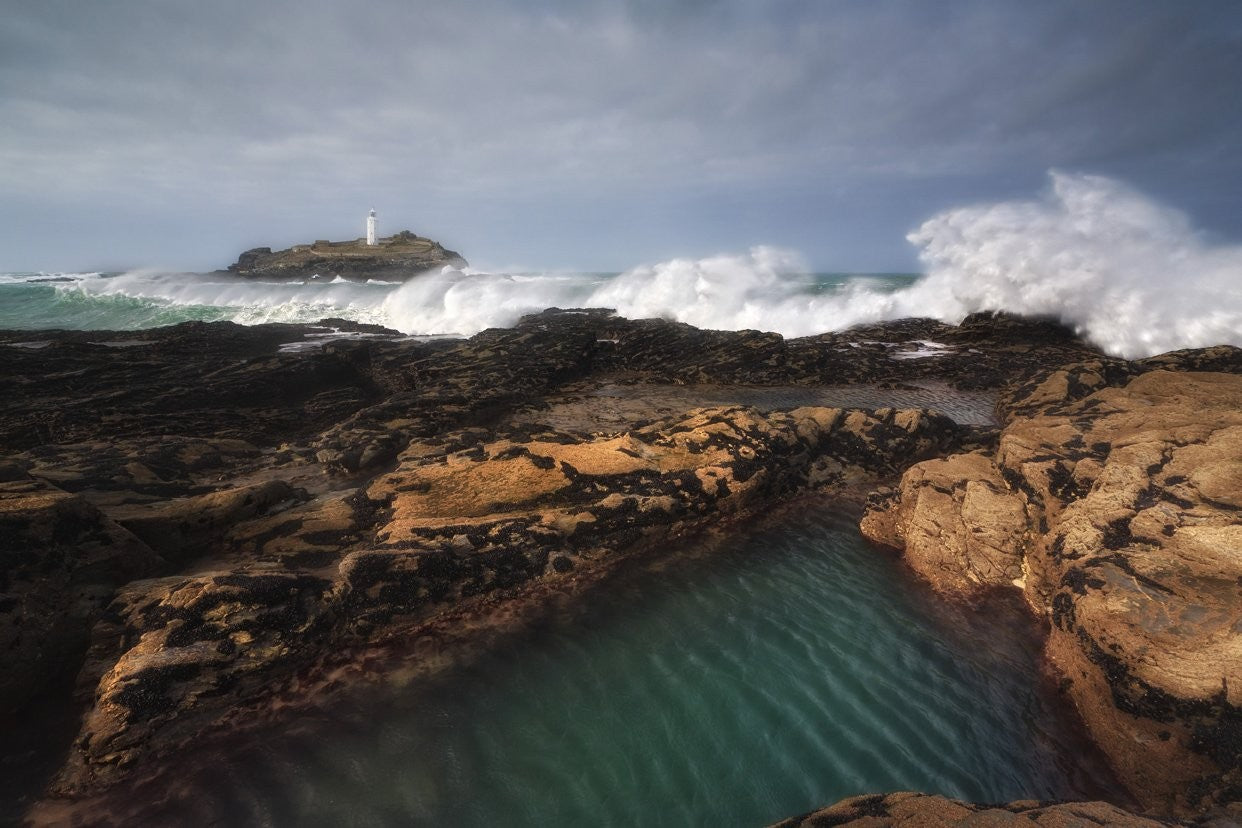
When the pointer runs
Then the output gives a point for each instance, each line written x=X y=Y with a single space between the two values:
x=592 y=135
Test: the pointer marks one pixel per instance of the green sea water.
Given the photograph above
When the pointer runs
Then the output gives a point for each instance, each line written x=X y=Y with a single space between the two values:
x=45 y=306
x=790 y=669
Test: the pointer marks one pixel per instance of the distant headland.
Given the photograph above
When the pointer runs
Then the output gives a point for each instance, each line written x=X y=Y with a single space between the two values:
x=394 y=258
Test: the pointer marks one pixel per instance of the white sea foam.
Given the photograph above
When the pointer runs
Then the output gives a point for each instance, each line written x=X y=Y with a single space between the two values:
x=246 y=302
x=765 y=288
x=757 y=290
x=467 y=301
x=1129 y=273
x=45 y=277
x=1125 y=271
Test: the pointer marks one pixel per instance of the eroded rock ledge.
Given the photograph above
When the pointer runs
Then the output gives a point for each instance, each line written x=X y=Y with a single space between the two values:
x=1114 y=501
x=198 y=519
x=915 y=810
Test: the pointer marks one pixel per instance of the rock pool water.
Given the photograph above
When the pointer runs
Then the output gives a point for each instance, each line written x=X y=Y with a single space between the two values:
x=793 y=668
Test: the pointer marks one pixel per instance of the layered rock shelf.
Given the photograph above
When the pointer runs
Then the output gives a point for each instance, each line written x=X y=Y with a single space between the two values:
x=393 y=258
x=215 y=520
x=1113 y=500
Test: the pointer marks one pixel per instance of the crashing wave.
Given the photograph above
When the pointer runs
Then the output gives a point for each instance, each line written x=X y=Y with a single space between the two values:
x=1125 y=271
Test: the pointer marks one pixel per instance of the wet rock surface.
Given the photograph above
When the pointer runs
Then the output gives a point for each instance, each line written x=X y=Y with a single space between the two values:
x=61 y=558
x=911 y=810
x=472 y=513
x=1119 y=489
x=205 y=520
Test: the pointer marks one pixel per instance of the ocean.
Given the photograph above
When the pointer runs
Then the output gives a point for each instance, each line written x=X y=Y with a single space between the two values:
x=1126 y=272
x=797 y=666
x=725 y=293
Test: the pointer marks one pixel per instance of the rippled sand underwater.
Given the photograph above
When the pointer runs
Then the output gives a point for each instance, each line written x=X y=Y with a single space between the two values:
x=793 y=667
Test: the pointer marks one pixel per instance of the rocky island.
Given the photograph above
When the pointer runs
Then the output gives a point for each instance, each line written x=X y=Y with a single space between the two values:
x=204 y=524
x=393 y=258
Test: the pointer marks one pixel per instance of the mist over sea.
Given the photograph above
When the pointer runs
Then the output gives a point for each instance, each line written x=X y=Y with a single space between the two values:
x=1127 y=272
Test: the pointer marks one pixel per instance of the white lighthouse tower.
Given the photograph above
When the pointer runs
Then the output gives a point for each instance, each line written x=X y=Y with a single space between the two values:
x=371 y=228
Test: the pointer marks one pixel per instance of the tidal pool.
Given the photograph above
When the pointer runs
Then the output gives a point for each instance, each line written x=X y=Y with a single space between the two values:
x=790 y=669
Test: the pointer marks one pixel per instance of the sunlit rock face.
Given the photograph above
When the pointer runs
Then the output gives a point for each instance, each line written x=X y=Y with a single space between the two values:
x=1115 y=496
x=468 y=514
x=249 y=512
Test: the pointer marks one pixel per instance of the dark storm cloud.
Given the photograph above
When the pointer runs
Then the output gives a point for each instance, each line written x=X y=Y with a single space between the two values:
x=592 y=133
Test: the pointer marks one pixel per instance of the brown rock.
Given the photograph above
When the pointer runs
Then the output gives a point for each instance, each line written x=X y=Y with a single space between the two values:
x=60 y=559
x=182 y=528
x=488 y=514
x=175 y=654
x=1132 y=535
x=465 y=514
x=330 y=497
x=957 y=520
x=914 y=810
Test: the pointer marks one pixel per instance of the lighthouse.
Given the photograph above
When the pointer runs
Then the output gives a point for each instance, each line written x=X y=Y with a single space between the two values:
x=371 y=228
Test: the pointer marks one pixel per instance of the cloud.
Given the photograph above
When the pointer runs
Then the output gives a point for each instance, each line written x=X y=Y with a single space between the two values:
x=239 y=105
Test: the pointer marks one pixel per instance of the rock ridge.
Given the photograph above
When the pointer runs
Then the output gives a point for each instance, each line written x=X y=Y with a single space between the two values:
x=248 y=503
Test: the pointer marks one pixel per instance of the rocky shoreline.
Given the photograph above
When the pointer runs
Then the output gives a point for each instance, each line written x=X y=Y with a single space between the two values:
x=200 y=518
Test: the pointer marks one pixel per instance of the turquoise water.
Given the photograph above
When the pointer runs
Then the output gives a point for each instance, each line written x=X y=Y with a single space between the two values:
x=132 y=301
x=44 y=306
x=795 y=667
x=789 y=670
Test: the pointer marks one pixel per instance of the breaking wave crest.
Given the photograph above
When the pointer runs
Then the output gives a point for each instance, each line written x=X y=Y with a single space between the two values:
x=215 y=297
x=765 y=288
x=147 y=298
x=1127 y=272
